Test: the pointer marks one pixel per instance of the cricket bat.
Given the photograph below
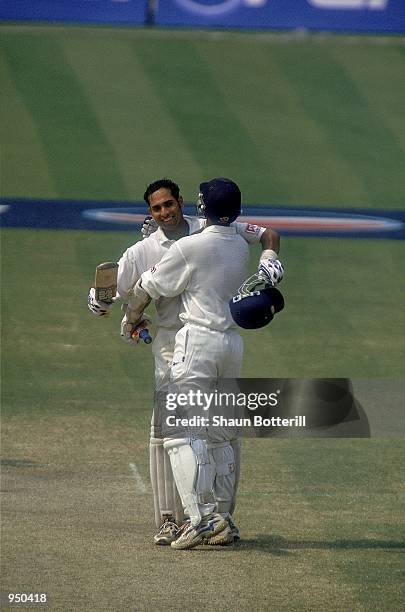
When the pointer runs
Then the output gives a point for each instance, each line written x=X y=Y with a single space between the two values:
x=105 y=282
x=105 y=285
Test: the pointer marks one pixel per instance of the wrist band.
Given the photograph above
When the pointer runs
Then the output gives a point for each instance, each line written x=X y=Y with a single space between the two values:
x=268 y=254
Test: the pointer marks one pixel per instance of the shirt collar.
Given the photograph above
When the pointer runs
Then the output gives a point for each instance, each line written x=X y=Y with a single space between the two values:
x=163 y=239
x=221 y=229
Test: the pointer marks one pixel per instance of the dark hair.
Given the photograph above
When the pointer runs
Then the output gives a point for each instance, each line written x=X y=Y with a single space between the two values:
x=163 y=183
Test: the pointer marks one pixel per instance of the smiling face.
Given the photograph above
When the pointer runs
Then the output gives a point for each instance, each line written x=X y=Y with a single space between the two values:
x=165 y=209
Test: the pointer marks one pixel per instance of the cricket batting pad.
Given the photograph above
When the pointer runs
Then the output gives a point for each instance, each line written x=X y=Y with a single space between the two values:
x=225 y=463
x=166 y=500
x=192 y=473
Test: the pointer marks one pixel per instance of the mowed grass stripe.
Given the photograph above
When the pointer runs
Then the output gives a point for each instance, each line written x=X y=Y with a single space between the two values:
x=80 y=159
x=202 y=112
x=42 y=357
x=355 y=490
x=131 y=112
x=59 y=367
x=287 y=532
x=24 y=167
x=332 y=324
x=300 y=159
x=381 y=79
x=329 y=95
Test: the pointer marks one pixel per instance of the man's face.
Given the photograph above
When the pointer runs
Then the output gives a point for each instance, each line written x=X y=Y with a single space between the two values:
x=165 y=209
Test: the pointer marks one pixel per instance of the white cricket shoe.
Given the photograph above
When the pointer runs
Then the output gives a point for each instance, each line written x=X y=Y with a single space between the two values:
x=189 y=536
x=167 y=533
x=228 y=536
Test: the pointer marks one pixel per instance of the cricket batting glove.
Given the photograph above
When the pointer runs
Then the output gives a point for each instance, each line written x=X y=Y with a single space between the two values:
x=97 y=308
x=149 y=226
x=270 y=268
x=130 y=332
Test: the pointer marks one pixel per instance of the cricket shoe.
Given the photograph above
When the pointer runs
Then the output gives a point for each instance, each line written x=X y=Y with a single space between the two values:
x=167 y=533
x=189 y=536
x=228 y=536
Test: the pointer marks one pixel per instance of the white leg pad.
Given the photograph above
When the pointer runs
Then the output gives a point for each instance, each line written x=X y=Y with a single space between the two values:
x=166 y=500
x=205 y=477
x=223 y=465
x=186 y=467
x=225 y=458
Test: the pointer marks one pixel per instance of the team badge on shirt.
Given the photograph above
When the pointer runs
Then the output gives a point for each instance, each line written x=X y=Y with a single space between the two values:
x=252 y=229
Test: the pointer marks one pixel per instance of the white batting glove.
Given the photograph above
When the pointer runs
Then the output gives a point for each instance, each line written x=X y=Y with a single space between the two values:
x=149 y=226
x=270 y=268
x=130 y=331
x=97 y=308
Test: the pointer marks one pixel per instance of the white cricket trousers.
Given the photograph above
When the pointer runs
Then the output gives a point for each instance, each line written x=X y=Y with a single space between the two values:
x=201 y=357
x=201 y=352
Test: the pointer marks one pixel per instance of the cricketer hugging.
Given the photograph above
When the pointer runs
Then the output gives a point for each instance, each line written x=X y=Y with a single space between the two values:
x=192 y=267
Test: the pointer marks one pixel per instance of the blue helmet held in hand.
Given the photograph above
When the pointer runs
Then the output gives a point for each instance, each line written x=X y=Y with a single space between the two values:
x=256 y=303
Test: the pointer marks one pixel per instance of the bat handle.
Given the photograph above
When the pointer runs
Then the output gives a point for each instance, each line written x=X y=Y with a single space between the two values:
x=145 y=336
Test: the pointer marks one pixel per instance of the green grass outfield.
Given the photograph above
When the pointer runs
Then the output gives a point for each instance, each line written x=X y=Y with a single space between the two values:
x=95 y=113
x=98 y=113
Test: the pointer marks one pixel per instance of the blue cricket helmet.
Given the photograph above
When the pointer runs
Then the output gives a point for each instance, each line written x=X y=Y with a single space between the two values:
x=219 y=199
x=256 y=303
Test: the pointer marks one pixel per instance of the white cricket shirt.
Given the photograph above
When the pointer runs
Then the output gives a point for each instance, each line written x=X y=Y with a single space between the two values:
x=146 y=253
x=206 y=269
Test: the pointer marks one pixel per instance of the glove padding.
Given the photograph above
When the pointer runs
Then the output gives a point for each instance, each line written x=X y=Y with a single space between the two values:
x=271 y=270
x=130 y=331
x=97 y=308
x=149 y=226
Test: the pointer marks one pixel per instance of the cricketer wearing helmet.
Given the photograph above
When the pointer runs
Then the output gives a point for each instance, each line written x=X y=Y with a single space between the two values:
x=206 y=269
x=165 y=206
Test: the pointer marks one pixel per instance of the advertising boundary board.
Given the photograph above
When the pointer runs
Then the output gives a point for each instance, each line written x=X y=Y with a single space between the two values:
x=378 y=16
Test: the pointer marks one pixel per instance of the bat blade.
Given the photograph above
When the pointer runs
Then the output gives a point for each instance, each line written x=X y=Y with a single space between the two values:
x=105 y=282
